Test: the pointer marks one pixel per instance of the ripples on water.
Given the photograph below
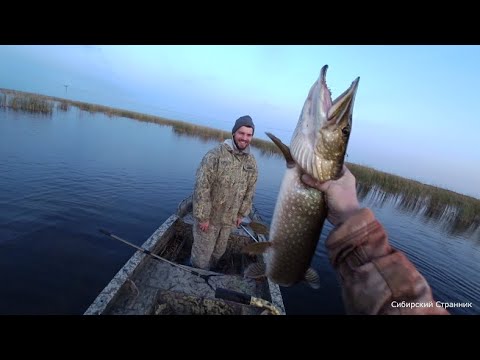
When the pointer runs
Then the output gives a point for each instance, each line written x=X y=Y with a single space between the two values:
x=62 y=178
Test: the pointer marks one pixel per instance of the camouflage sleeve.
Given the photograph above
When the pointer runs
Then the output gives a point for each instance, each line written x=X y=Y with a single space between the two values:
x=246 y=205
x=202 y=203
x=375 y=277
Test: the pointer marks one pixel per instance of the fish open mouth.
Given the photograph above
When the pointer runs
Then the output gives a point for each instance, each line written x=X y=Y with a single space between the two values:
x=308 y=146
x=342 y=107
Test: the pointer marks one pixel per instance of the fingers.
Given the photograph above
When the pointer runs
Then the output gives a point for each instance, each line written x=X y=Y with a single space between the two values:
x=310 y=181
x=307 y=179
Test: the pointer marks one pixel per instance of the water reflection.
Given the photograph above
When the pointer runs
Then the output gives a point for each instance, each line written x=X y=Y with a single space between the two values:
x=450 y=218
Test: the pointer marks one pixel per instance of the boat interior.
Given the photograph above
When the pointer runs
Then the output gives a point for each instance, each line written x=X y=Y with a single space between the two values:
x=149 y=286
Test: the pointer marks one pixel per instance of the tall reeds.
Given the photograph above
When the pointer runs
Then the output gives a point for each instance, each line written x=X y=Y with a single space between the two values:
x=63 y=105
x=3 y=100
x=459 y=213
x=30 y=103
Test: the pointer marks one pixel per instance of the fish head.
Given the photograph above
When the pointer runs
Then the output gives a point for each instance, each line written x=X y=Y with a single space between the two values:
x=320 y=140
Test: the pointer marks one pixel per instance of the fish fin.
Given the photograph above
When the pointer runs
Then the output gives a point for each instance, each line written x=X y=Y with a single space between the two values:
x=312 y=278
x=259 y=228
x=256 y=248
x=284 y=149
x=256 y=270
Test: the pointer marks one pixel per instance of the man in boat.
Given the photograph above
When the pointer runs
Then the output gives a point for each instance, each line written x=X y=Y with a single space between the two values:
x=375 y=277
x=223 y=194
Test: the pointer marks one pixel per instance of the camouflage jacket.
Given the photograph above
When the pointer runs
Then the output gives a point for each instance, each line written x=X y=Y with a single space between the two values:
x=225 y=184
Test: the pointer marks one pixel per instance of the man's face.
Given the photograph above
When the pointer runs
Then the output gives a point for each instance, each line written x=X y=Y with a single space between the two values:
x=242 y=137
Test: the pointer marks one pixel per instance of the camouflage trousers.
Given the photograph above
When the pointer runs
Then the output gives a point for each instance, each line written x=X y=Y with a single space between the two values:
x=209 y=246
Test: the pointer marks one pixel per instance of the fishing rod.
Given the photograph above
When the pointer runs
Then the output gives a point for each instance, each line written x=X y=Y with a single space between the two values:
x=206 y=278
x=248 y=232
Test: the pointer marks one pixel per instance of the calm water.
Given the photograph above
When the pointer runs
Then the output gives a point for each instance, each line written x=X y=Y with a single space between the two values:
x=63 y=177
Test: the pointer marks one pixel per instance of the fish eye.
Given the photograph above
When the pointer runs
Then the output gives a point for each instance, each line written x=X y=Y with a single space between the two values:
x=345 y=130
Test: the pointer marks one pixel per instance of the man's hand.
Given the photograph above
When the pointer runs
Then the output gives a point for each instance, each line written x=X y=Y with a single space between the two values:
x=239 y=221
x=341 y=195
x=204 y=225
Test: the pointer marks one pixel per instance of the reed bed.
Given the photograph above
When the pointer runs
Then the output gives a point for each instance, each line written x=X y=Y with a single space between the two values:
x=63 y=105
x=29 y=103
x=459 y=212
x=3 y=100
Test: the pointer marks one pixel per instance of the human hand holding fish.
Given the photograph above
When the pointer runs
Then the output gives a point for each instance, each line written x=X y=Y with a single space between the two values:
x=360 y=245
x=340 y=195
x=374 y=275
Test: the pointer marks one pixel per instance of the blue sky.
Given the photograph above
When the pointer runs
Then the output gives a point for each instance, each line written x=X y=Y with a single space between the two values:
x=415 y=113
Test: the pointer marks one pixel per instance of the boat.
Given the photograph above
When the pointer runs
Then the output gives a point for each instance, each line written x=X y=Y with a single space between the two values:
x=157 y=280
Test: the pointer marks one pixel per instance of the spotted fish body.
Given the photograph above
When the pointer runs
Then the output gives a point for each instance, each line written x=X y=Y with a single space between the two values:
x=296 y=225
x=318 y=148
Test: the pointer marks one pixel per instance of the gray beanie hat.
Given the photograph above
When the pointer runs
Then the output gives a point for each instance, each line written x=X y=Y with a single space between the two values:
x=243 y=121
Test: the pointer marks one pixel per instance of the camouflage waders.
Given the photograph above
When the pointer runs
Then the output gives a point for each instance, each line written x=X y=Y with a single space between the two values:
x=209 y=246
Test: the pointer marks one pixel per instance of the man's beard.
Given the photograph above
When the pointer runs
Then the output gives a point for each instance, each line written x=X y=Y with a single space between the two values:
x=238 y=147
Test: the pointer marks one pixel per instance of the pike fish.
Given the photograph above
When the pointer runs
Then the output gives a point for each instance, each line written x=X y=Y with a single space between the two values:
x=318 y=148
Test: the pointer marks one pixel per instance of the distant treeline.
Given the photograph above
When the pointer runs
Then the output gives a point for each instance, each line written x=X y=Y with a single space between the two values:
x=459 y=213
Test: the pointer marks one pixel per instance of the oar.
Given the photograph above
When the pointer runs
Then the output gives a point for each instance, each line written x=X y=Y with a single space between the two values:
x=155 y=256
